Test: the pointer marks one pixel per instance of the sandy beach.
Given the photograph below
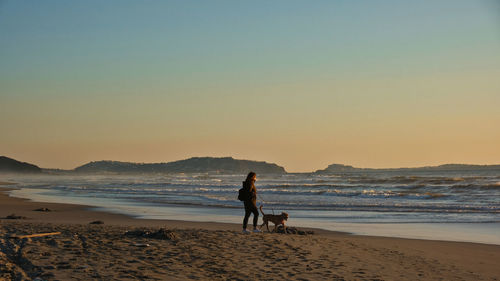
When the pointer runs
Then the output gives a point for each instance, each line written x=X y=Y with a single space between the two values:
x=138 y=137
x=124 y=248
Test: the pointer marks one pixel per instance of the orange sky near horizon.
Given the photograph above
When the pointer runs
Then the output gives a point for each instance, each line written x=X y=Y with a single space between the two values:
x=371 y=134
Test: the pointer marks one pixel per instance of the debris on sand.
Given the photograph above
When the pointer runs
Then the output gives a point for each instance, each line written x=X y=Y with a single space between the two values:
x=43 y=210
x=293 y=230
x=162 y=233
x=96 y=222
x=15 y=217
x=34 y=235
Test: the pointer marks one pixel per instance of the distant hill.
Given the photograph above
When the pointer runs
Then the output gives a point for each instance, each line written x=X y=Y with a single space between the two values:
x=336 y=168
x=9 y=165
x=221 y=165
x=224 y=165
x=339 y=168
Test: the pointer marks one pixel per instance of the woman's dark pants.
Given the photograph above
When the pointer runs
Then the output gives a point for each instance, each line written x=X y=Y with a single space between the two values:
x=250 y=207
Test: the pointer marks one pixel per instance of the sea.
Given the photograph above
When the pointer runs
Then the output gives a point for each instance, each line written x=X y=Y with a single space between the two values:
x=437 y=205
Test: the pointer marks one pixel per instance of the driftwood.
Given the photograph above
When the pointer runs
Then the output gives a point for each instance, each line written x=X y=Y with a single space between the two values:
x=15 y=217
x=34 y=235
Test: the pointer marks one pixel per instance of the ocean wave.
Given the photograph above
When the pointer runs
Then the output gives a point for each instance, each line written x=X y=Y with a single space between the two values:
x=492 y=186
x=405 y=194
x=361 y=193
x=432 y=195
x=473 y=186
x=433 y=180
x=277 y=205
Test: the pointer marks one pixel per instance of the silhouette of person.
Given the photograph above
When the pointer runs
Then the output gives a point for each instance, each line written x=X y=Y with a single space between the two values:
x=250 y=202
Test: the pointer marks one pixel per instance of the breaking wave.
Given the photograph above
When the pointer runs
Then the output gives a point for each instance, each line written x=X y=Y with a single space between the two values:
x=465 y=195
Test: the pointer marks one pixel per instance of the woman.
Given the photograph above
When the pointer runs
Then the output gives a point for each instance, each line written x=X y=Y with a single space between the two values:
x=250 y=202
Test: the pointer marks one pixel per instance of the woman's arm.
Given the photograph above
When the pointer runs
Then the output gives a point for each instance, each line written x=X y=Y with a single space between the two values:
x=253 y=191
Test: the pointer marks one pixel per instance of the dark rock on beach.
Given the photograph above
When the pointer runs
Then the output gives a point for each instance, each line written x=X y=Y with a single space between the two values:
x=43 y=210
x=162 y=233
x=293 y=230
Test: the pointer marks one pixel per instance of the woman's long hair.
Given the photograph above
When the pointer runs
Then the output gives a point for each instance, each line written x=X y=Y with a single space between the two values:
x=250 y=176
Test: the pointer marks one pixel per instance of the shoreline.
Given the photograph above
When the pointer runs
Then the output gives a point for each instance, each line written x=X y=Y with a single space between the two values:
x=84 y=214
x=206 y=250
x=205 y=217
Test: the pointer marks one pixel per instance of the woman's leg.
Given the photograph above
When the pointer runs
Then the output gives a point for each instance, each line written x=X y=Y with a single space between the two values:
x=255 y=216
x=247 y=215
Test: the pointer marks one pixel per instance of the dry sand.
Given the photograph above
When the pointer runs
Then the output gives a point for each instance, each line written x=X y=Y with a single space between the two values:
x=216 y=251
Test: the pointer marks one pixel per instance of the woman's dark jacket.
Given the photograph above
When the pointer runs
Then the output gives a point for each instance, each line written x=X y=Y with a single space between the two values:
x=252 y=191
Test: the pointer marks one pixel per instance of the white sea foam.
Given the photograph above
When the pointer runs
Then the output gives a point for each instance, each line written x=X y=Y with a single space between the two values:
x=425 y=196
x=328 y=202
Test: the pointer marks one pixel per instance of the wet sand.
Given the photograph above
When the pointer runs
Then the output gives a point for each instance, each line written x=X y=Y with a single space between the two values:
x=215 y=251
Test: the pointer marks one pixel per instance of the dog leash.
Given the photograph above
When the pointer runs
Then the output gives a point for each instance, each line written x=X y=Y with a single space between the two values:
x=260 y=197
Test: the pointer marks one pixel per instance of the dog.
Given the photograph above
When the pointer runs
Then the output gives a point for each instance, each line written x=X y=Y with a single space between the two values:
x=276 y=219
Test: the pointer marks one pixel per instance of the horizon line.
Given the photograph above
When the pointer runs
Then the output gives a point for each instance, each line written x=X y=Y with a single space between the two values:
x=347 y=165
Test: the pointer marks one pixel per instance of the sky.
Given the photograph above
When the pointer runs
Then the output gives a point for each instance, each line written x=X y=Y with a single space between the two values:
x=302 y=84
